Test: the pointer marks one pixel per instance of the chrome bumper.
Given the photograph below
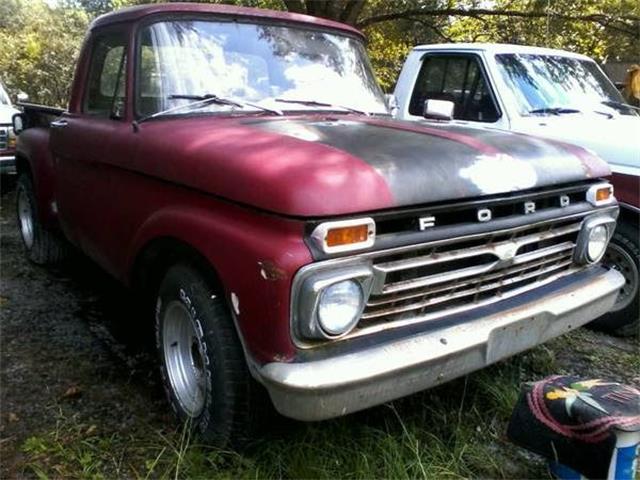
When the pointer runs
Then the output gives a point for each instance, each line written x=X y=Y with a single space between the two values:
x=8 y=164
x=330 y=387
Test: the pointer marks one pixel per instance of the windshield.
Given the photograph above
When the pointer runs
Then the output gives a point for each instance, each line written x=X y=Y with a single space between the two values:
x=4 y=98
x=252 y=63
x=546 y=83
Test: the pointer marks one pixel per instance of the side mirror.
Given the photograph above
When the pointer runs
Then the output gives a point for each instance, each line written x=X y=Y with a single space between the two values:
x=438 y=109
x=18 y=121
x=22 y=97
x=392 y=103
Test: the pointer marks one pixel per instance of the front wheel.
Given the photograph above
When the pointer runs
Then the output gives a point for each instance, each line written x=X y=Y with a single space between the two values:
x=202 y=363
x=623 y=254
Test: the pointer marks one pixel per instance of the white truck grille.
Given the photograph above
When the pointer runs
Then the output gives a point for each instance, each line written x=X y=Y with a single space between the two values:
x=4 y=138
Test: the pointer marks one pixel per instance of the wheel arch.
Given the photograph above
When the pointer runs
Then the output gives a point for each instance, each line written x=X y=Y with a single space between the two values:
x=158 y=254
x=23 y=165
x=629 y=215
x=35 y=157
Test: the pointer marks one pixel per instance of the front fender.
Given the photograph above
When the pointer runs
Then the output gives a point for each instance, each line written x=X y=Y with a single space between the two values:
x=255 y=256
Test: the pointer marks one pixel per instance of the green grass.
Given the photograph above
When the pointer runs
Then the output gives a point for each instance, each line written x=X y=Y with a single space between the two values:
x=454 y=431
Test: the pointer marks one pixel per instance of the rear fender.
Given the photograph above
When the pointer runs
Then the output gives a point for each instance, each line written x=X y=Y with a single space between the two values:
x=33 y=153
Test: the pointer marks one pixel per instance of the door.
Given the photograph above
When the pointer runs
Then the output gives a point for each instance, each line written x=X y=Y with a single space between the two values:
x=458 y=78
x=87 y=144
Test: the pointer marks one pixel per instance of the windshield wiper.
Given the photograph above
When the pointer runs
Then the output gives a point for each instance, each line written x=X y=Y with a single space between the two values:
x=554 y=110
x=203 y=101
x=314 y=103
x=613 y=103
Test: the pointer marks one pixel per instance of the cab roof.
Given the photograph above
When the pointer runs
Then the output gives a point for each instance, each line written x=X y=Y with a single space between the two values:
x=132 y=14
x=496 y=48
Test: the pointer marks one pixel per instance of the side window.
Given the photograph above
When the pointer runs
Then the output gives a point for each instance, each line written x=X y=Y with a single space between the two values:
x=458 y=79
x=105 y=96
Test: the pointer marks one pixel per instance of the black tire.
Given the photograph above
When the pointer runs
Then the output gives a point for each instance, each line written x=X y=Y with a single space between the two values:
x=623 y=254
x=231 y=396
x=41 y=245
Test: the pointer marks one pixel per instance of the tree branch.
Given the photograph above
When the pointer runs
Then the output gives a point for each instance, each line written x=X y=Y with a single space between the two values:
x=295 y=6
x=474 y=12
x=352 y=11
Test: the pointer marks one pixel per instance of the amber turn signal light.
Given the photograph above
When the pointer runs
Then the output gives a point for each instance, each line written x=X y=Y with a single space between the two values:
x=600 y=194
x=603 y=194
x=345 y=235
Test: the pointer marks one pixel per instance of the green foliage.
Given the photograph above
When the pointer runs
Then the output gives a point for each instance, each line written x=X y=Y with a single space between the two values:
x=41 y=43
x=39 y=48
x=606 y=41
x=390 y=42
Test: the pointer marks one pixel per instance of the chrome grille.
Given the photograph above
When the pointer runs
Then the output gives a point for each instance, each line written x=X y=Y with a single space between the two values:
x=4 y=138
x=433 y=282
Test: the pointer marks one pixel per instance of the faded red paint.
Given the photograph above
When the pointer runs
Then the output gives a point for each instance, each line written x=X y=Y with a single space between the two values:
x=210 y=184
x=467 y=140
x=593 y=165
x=133 y=14
x=263 y=167
x=627 y=188
x=235 y=193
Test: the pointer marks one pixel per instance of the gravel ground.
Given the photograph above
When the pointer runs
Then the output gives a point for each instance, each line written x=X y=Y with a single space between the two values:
x=74 y=346
x=64 y=350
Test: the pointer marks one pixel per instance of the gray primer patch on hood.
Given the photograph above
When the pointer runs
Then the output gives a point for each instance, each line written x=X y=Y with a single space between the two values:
x=440 y=163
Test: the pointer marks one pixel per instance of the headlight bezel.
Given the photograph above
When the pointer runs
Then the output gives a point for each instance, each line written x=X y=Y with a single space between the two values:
x=589 y=225
x=308 y=292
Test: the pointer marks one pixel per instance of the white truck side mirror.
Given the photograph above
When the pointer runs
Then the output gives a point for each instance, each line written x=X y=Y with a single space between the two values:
x=22 y=97
x=438 y=109
x=18 y=123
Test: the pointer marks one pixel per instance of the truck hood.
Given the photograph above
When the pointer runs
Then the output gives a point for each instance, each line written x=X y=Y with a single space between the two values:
x=334 y=165
x=6 y=114
x=613 y=139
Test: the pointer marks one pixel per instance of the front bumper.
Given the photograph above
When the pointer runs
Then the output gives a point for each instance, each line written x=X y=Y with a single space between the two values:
x=352 y=381
x=7 y=164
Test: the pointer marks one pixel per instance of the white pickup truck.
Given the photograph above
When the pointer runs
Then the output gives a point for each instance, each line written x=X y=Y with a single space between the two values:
x=545 y=92
x=7 y=138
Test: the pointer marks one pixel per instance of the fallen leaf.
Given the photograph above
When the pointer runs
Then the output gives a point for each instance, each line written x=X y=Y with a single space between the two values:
x=13 y=417
x=72 y=392
x=91 y=429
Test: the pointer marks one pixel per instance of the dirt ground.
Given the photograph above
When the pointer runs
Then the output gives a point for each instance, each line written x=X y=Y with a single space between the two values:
x=66 y=349
x=73 y=346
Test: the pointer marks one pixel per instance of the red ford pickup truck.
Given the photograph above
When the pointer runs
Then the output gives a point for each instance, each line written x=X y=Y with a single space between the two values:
x=239 y=168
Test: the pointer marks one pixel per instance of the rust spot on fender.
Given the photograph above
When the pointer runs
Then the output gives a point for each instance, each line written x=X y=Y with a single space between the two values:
x=270 y=271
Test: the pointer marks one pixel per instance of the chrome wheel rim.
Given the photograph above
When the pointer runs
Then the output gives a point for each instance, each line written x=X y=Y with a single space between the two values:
x=25 y=218
x=618 y=258
x=184 y=358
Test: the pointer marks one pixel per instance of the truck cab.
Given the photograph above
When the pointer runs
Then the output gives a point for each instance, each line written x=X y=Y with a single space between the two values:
x=548 y=93
x=7 y=136
x=239 y=170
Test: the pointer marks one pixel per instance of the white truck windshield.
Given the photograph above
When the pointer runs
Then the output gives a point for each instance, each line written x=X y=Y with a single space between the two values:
x=4 y=98
x=548 y=84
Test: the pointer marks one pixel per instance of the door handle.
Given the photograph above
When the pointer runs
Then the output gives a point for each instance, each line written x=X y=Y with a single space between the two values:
x=59 y=123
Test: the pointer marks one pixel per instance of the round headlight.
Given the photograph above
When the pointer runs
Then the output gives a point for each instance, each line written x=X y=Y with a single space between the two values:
x=597 y=242
x=339 y=307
